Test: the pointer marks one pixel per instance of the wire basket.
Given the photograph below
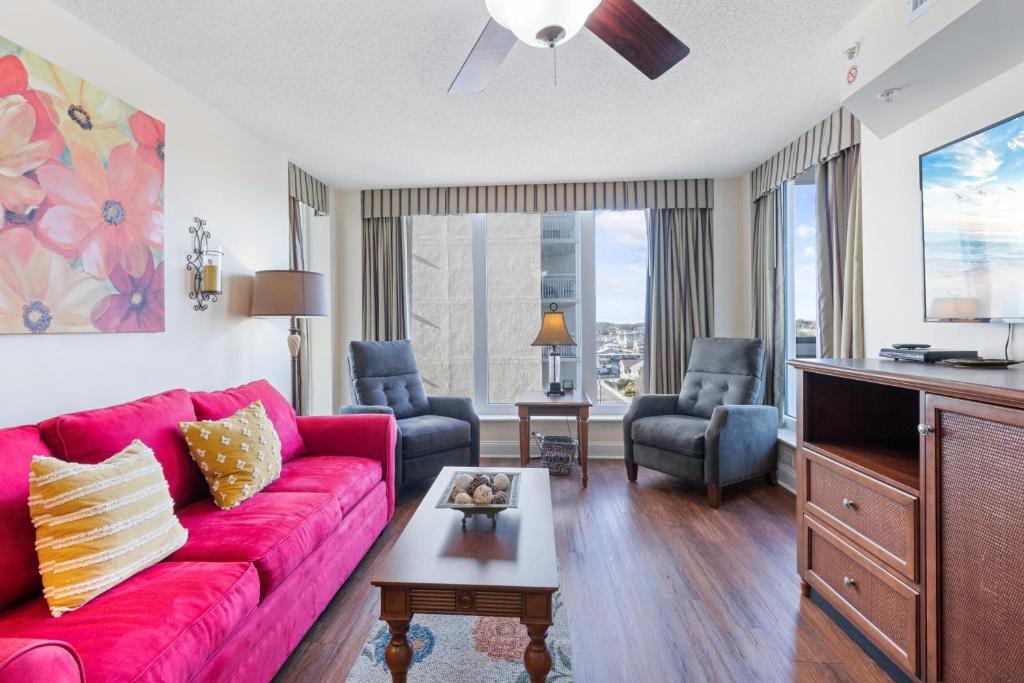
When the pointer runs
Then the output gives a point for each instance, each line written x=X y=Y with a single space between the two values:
x=558 y=453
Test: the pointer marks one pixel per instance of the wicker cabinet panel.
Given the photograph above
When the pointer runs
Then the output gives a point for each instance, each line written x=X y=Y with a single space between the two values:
x=881 y=605
x=879 y=518
x=976 y=472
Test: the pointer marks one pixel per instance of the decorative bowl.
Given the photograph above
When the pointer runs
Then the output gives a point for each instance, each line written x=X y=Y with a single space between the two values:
x=490 y=510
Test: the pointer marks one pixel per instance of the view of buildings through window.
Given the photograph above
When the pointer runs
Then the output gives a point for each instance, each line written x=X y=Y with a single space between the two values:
x=801 y=277
x=483 y=282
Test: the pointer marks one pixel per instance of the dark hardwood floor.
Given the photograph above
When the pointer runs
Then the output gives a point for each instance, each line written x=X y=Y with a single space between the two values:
x=659 y=587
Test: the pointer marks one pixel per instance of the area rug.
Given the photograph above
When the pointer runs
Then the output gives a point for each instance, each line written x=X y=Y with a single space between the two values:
x=466 y=650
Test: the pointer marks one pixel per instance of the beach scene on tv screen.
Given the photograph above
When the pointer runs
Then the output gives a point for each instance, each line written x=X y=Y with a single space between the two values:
x=973 y=194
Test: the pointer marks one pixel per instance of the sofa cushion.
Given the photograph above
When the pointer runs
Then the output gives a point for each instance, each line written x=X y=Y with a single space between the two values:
x=98 y=525
x=428 y=434
x=346 y=478
x=19 y=568
x=239 y=455
x=216 y=405
x=274 y=531
x=93 y=436
x=676 y=433
x=161 y=625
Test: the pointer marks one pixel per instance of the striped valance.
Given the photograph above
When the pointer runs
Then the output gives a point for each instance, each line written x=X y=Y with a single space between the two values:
x=824 y=141
x=308 y=190
x=616 y=196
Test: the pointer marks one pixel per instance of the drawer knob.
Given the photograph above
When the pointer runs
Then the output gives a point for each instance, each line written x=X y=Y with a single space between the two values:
x=849 y=582
x=925 y=430
x=848 y=504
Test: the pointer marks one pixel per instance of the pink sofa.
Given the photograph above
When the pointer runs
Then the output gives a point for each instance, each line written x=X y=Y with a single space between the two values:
x=236 y=599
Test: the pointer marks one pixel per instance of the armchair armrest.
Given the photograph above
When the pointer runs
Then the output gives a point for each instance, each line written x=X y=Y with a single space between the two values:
x=460 y=408
x=644 y=405
x=363 y=436
x=355 y=409
x=30 y=659
x=740 y=443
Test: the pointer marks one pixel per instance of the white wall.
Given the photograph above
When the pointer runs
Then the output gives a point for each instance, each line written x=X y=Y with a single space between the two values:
x=893 y=300
x=214 y=169
x=732 y=256
x=347 y=284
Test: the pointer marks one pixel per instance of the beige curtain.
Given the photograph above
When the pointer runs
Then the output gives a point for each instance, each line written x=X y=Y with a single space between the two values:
x=385 y=270
x=297 y=261
x=840 y=266
x=769 y=294
x=680 y=292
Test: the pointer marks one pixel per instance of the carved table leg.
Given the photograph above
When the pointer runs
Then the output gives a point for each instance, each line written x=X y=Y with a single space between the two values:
x=584 y=438
x=537 y=658
x=398 y=654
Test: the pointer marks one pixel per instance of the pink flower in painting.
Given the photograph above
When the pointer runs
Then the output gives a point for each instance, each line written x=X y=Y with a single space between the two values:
x=39 y=291
x=109 y=216
x=500 y=637
x=138 y=305
x=149 y=136
x=19 y=194
x=14 y=81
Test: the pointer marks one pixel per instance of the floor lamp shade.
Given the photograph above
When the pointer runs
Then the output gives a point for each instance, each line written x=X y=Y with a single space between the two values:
x=292 y=293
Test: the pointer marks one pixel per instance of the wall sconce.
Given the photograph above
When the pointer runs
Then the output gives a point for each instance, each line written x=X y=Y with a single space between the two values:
x=205 y=266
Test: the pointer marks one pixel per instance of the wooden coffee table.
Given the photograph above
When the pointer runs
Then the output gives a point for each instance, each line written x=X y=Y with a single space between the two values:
x=536 y=403
x=438 y=567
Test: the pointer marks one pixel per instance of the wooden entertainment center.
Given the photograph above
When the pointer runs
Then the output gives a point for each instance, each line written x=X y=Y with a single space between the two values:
x=910 y=511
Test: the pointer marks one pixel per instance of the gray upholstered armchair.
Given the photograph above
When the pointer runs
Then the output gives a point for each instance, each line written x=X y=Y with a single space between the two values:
x=715 y=431
x=433 y=431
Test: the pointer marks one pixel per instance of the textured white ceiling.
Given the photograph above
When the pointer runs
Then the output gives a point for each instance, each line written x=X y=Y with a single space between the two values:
x=354 y=91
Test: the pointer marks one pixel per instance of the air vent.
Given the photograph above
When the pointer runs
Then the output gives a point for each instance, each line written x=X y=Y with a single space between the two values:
x=916 y=8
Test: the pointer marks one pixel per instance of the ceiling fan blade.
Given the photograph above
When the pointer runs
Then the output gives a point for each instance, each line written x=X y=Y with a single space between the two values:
x=483 y=61
x=636 y=35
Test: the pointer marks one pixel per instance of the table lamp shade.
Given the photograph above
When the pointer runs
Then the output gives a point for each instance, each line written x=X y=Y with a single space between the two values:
x=553 y=331
x=298 y=293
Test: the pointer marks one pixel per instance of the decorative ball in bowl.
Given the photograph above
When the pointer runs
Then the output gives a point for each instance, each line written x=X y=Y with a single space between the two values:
x=481 y=493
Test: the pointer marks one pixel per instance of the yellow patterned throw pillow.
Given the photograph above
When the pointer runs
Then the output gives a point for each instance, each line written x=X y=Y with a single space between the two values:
x=97 y=525
x=238 y=455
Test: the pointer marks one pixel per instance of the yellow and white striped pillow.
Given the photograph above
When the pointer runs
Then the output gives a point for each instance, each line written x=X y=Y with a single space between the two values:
x=97 y=525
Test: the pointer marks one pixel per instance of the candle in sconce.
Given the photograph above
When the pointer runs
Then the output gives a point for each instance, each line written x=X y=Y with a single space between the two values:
x=212 y=271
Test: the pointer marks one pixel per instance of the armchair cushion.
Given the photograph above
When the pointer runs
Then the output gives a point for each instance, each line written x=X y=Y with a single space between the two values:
x=426 y=434
x=722 y=372
x=385 y=374
x=676 y=433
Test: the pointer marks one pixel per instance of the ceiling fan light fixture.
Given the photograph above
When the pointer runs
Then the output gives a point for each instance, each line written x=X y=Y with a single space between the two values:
x=542 y=23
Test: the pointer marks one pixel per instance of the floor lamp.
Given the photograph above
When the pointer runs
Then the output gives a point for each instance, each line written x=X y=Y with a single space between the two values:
x=293 y=294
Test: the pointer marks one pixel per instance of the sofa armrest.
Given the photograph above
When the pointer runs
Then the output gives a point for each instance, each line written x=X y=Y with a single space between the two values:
x=362 y=436
x=644 y=405
x=740 y=443
x=460 y=408
x=30 y=659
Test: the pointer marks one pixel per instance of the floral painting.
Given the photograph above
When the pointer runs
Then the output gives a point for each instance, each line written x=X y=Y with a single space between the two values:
x=81 y=204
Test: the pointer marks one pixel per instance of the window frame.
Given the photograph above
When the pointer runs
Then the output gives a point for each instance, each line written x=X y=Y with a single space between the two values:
x=789 y=224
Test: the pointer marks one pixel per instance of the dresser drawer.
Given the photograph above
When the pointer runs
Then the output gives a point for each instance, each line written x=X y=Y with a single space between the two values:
x=879 y=518
x=879 y=604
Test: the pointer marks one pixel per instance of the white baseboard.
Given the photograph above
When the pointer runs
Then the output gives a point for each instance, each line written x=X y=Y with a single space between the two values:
x=610 y=450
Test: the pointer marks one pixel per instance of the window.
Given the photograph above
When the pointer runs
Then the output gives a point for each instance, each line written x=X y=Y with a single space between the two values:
x=620 y=274
x=480 y=283
x=800 y=199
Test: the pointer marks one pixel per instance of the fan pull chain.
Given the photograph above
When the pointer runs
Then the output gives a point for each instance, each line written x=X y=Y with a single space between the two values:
x=554 y=64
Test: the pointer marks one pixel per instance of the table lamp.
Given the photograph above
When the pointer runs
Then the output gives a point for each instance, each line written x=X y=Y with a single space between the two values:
x=294 y=294
x=554 y=333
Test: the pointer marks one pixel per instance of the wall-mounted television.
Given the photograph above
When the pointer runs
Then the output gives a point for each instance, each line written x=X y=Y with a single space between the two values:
x=972 y=206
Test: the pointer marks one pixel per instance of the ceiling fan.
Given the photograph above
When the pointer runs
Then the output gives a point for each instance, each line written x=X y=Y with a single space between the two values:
x=622 y=24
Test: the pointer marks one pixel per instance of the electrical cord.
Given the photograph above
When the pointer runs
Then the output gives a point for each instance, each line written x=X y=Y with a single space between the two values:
x=1009 y=340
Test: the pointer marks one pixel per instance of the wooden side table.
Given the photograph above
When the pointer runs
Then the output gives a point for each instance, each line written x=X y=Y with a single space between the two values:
x=574 y=404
